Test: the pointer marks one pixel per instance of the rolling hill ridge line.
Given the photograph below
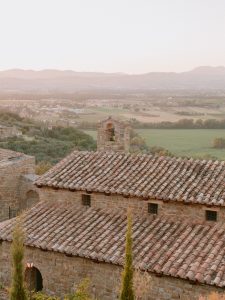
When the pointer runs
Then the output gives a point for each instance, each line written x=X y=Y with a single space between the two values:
x=70 y=81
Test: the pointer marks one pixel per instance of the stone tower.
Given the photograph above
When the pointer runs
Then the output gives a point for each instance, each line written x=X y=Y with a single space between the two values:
x=113 y=135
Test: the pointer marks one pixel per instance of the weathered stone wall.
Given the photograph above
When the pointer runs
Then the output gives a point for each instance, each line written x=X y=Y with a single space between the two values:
x=29 y=193
x=61 y=274
x=121 y=136
x=180 y=211
x=11 y=183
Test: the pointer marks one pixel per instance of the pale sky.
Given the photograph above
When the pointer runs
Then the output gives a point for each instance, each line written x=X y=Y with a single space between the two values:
x=133 y=36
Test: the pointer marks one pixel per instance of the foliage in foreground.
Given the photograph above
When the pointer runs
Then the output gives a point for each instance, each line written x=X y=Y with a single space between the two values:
x=18 y=291
x=41 y=296
x=42 y=167
x=127 y=292
x=81 y=293
x=142 y=284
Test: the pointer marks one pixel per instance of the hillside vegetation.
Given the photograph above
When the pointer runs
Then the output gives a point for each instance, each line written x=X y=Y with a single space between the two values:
x=46 y=144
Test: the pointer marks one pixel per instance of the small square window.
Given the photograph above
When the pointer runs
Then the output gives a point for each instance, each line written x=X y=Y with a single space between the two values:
x=86 y=200
x=153 y=208
x=211 y=215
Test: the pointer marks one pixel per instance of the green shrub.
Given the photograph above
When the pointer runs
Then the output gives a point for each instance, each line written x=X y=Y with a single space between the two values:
x=82 y=291
x=41 y=296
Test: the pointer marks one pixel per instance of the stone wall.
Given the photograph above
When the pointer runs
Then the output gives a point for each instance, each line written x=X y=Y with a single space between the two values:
x=113 y=136
x=29 y=193
x=12 y=184
x=177 y=210
x=61 y=274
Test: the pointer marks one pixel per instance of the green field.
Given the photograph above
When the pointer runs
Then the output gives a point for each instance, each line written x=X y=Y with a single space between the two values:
x=182 y=142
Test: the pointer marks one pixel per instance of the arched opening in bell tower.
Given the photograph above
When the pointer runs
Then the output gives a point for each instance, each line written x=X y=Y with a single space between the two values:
x=110 y=132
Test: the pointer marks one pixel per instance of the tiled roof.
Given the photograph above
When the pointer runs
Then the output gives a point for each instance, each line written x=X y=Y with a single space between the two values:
x=178 y=249
x=164 y=178
x=9 y=154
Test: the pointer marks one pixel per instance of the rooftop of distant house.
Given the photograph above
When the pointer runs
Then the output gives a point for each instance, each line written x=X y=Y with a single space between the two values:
x=9 y=156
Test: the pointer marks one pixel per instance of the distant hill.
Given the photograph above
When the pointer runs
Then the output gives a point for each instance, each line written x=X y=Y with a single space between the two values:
x=70 y=81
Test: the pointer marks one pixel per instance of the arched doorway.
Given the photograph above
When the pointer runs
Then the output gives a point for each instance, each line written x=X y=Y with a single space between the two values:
x=33 y=279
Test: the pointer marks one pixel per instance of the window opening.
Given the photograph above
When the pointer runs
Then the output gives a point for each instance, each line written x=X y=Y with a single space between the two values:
x=153 y=208
x=211 y=215
x=86 y=200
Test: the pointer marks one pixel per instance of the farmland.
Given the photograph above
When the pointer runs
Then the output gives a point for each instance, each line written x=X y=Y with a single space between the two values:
x=150 y=112
x=183 y=142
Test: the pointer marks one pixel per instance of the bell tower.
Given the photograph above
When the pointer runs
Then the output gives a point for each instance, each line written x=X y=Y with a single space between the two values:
x=113 y=135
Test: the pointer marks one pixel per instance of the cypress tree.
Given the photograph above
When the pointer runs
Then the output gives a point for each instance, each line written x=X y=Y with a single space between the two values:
x=17 y=291
x=127 y=292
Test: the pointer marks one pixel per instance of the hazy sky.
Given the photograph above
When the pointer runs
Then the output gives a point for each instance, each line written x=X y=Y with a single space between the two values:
x=132 y=36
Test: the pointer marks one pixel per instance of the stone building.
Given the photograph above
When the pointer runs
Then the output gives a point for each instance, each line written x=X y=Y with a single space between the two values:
x=17 y=175
x=78 y=228
x=113 y=135
x=7 y=131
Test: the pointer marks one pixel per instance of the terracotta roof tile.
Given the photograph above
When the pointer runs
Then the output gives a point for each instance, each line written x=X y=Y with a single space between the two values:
x=164 y=178
x=6 y=154
x=179 y=249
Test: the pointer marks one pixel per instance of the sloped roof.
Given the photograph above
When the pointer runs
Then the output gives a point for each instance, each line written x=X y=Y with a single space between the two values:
x=188 y=251
x=148 y=176
x=9 y=154
x=9 y=157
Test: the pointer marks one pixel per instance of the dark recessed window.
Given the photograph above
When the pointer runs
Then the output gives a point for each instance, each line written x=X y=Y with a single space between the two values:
x=86 y=200
x=211 y=215
x=153 y=208
x=12 y=212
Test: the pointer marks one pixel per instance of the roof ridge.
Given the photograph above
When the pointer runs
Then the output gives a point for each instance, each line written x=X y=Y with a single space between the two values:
x=169 y=178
